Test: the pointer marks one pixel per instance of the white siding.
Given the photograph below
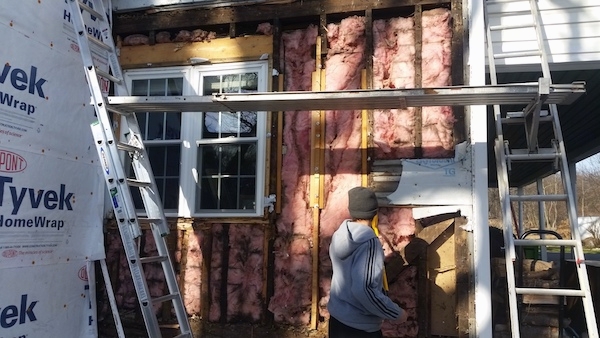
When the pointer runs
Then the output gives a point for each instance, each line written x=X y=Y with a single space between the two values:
x=571 y=29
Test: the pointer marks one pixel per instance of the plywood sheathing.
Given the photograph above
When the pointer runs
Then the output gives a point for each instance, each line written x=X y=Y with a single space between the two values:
x=179 y=53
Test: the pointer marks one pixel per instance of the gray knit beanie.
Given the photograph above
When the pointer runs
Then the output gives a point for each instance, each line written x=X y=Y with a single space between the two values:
x=362 y=203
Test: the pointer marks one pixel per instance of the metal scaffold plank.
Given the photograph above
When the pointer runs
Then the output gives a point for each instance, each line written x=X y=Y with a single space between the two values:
x=354 y=99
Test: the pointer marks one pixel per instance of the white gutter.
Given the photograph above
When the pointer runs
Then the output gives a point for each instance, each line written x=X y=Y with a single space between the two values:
x=478 y=131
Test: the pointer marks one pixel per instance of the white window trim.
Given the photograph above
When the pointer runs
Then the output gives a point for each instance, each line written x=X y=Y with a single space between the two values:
x=191 y=133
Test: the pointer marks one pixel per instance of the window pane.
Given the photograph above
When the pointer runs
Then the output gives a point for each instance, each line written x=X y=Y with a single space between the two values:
x=165 y=161
x=248 y=124
x=157 y=159
x=171 y=193
x=173 y=161
x=156 y=126
x=230 y=161
x=228 y=180
x=249 y=83
x=231 y=84
x=142 y=118
x=157 y=87
x=139 y=88
x=208 y=194
x=208 y=160
x=229 y=124
x=211 y=125
x=229 y=193
x=248 y=159
x=174 y=87
x=211 y=85
x=173 y=129
x=247 y=193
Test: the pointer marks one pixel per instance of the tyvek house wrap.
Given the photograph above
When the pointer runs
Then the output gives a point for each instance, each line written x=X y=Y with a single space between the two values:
x=51 y=193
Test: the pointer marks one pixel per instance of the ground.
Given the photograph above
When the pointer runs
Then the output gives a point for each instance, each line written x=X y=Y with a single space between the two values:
x=215 y=330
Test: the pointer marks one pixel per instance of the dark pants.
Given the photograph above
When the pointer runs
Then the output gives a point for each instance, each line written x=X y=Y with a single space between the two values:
x=340 y=330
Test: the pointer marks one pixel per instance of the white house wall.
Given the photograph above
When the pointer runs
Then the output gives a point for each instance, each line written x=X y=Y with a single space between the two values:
x=571 y=29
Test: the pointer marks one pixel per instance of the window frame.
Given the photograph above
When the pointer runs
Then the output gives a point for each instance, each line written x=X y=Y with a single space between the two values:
x=191 y=129
x=200 y=71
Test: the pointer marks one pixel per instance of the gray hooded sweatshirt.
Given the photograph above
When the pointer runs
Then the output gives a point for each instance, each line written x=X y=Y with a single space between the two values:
x=357 y=298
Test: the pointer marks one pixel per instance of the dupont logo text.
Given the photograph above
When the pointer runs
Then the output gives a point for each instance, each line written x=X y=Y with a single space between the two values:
x=10 y=253
x=11 y=162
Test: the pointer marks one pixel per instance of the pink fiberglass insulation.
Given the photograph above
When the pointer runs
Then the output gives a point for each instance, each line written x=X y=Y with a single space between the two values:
x=291 y=299
x=243 y=272
x=438 y=122
x=297 y=60
x=394 y=67
x=404 y=292
x=343 y=66
x=193 y=278
x=124 y=289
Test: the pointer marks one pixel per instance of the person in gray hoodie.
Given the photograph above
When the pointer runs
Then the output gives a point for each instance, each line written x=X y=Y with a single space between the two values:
x=358 y=303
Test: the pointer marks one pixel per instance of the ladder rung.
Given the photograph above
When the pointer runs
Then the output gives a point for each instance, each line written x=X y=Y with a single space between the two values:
x=532 y=157
x=164 y=298
x=184 y=335
x=108 y=76
x=517 y=26
x=538 y=198
x=550 y=292
x=112 y=109
x=150 y=220
x=521 y=120
x=128 y=147
x=544 y=242
x=90 y=10
x=138 y=183
x=153 y=259
x=99 y=43
x=517 y=54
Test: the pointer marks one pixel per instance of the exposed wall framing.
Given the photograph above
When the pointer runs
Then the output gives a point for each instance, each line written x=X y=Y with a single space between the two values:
x=236 y=41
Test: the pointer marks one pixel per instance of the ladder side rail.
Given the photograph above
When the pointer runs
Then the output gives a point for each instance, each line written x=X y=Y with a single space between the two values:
x=96 y=95
x=509 y=247
x=537 y=20
x=111 y=299
x=120 y=191
x=582 y=274
x=113 y=61
x=127 y=222
x=143 y=171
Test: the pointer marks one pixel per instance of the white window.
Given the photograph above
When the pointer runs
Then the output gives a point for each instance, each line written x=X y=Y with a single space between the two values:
x=206 y=164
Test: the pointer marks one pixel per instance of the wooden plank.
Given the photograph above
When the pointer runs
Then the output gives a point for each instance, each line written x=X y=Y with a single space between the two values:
x=179 y=53
x=418 y=111
x=464 y=280
x=317 y=134
x=442 y=277
x=131 y=23
x=415 y=248
x=205 y=296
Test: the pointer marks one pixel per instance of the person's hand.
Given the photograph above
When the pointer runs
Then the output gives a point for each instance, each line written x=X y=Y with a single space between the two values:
x=403 y=317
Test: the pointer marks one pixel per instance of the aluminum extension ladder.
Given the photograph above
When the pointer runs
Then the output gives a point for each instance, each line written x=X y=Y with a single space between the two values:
x=115 y=174
x=506 y=158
